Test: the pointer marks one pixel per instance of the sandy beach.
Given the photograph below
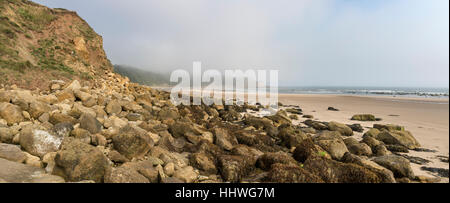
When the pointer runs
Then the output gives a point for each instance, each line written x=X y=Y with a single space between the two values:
x=426 y=118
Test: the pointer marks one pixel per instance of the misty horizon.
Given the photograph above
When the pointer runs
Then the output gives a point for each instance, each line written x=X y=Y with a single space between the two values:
x=325 y=43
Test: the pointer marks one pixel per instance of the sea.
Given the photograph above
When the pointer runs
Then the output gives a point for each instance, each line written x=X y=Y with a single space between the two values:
x=370 y=91
x=420 y=92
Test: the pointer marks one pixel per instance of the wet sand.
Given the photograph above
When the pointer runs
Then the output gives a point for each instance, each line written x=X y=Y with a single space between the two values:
x=426 y=118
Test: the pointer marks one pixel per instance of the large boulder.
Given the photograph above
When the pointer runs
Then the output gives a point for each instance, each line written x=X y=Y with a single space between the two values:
x=90 y=123
x=132 y=142
x=12 y=153
x=397 y=164
x=11 y=113
x=38 y=141
x=78 y=161
x=337 y=172
x=13 y=172
x=397 y=137
x=335 y=147
x=342 y=128
x=386 y=175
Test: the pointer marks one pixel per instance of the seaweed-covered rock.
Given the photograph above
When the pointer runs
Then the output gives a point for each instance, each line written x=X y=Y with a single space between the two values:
x=356 y=127
x=337 y=172
x=268 y=159
x=234 y=168
x=364 y=117
x=342 y=128
x=308 y=149
x=357 y=148
x=397 y=164
x=397 y=137
x=291 y=137
x=204 y=162
x=282 y=173
x=224 y=139
x=386 y=175
x=373 y=132
x=388 y=127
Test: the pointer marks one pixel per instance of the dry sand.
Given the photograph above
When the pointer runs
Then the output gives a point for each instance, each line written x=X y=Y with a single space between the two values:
x=426 y=118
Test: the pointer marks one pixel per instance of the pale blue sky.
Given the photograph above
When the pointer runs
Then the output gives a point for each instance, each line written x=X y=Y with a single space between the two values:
x=311 y=42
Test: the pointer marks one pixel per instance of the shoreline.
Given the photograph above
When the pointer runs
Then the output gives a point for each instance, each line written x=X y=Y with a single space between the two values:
x=426 y=118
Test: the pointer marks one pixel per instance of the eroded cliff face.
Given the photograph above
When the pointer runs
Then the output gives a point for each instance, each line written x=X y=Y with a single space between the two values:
x=39 y=44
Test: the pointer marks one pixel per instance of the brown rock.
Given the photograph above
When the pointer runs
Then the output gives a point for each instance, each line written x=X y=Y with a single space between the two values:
x=77 y=161
x=132 y=142
x=12 y=153
x=11 y=113
x=90 y=123
x=38 y=108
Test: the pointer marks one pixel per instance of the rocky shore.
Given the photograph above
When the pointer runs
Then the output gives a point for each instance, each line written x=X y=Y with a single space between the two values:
x=119 y=132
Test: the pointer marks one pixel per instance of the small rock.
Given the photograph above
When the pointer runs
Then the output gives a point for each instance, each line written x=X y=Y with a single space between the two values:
x=364 y=117
x=332 y=109
x=169 y=169
x=187 y=174
x=113 y=107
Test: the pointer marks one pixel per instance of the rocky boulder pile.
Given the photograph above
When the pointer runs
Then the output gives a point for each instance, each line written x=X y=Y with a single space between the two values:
x=121 y=133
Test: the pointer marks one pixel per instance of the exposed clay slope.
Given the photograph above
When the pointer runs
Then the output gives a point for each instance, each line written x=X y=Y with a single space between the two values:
x=39 y=44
